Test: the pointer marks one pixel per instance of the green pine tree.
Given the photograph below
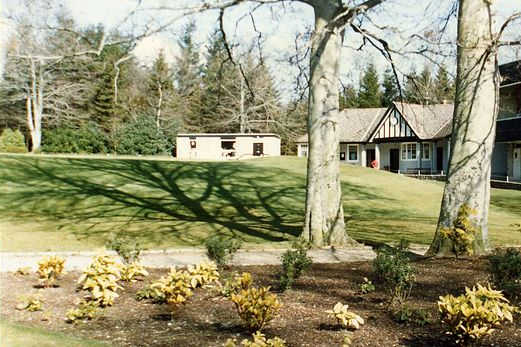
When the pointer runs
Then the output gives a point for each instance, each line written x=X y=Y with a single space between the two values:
x=390 y=86
x=369 y=94
x=444 y=86
x=348 y=97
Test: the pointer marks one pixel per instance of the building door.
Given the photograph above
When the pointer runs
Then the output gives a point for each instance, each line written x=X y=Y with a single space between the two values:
x=517 y=164
x=395 y=159
x=439 y=159
x=370 y=156
x=258 y=149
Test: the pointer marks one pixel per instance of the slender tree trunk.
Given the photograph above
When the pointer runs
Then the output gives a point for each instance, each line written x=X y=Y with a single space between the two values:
x=159 y=104
x=34 y=105
x=475 y=113
x=243 y=118
x=324 y=219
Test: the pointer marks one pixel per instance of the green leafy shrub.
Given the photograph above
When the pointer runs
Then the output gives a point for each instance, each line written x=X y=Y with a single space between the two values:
x=31 y=303
x=49 y=269
x=86 y=139
x=474 y=314
x=463 y=232
x=407 y=315
x=367 y=286
x=393 y=269
x=12 y=141
x=505 y=267
x=344 y=317
x=221 y=249
x=86 y=310
x=259 y=340
x=128 y=248
x=101 y=279
x=256 y=306
x=140 y=137
x=294 y=263
x=236 y=284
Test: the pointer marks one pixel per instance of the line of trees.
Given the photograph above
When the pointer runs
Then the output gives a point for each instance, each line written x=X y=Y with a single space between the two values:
x=426 y=88
x=57 y=96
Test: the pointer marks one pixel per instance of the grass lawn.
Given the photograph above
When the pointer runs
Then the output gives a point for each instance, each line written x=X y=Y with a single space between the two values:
x=74 y=204
x=14 y=335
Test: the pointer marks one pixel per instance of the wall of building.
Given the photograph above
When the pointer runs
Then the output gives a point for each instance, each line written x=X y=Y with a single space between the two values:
x=209 y=147
x=500 y=160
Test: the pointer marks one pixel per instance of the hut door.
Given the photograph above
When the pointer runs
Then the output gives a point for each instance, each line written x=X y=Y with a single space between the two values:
x=258 y=149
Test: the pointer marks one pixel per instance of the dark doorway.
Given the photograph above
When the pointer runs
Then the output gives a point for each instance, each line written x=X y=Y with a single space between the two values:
x=439 y=159
x=258 y=149
x=370 y=156
x=395 y=159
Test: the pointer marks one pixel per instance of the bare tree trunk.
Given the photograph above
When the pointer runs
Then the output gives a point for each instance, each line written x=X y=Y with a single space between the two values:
x=159 y=104
x=324 y=219
x=34 y=105
x=475 y=113
x=243 y=118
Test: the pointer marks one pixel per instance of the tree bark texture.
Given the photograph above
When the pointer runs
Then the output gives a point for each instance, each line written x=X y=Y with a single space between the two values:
x=324 y=218
x=474 y=126
x=34 y=105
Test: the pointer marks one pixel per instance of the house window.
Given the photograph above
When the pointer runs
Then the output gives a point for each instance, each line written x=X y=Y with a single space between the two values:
x=408 y=151
x=353 y=152
x=193 y=144
x=426 y=151
x=304 y=150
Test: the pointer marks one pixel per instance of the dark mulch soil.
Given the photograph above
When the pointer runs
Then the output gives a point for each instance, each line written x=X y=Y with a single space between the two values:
x=208 y=320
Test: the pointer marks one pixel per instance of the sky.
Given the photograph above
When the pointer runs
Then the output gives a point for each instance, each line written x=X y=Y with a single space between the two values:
x=279 y=27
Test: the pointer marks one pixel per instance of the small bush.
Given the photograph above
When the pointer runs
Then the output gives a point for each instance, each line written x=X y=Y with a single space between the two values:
x=344 y=317
x=101 y=280
x=12 y=141
x=86 y=139
x=474 y=314
x=256 y=306
x=463 y=232
x=128 y=249
x=221 y=250
x=49 y=269
x=407 y=315
x=394 y=270
x=202 y=274
x=236 y=284
x=294 y=263
x=173 y=289
x=367 y=286
x=31 y=303
x=140 y=137
x=505 y=267
x=259 y=340
x=86 y=310
x=132 y=272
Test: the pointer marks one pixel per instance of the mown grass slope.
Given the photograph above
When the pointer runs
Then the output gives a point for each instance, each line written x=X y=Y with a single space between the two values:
x=73 y=204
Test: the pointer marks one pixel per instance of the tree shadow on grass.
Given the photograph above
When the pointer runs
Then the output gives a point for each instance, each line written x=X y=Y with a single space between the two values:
x=161 y=200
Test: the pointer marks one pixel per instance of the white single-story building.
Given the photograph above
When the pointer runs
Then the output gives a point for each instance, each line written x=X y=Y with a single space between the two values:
x=226 y=146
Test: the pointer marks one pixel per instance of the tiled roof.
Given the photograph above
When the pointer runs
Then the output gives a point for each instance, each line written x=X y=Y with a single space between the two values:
x=356 y=124
x=427 y=121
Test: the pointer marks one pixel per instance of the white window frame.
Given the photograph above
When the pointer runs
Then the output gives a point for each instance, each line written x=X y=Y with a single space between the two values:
x=429 y=157
x=404 y=149
x=348 y=157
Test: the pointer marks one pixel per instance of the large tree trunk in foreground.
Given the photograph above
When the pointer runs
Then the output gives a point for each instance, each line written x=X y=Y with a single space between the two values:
x=324 y=219
x=475 y=113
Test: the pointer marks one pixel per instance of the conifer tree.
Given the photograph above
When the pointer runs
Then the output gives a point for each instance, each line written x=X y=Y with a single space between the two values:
x=390 y=87
x=369 y=94
x=444 y=86
x=348 y=97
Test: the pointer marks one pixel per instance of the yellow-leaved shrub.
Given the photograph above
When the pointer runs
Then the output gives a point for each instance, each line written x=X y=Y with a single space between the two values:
x=133 y=271
x=259 y=340
x=85 y=310
x=474 y=314
x=256 y=306
x=344 y=317
x=463 y=232
x=101 y=279
x=49 y=269
x=236 y=284
x=202 y=274
x=174 y=288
